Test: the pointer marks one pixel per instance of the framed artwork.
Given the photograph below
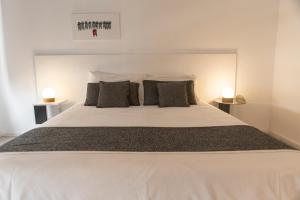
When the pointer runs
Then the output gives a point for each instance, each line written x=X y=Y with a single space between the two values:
x=96 y=26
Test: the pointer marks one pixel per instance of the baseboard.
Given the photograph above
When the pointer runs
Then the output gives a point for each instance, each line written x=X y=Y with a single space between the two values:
x=285 y=140
x=8 y=135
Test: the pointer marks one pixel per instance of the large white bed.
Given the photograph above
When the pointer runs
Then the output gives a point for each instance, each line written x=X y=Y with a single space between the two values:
x=89 y=175
x=229 y=159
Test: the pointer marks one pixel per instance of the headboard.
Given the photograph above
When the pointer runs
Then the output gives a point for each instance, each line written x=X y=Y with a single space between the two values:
x=68 y=74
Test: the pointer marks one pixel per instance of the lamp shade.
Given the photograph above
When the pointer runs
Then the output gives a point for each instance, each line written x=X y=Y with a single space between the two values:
x=227 y=95
x=48 y=95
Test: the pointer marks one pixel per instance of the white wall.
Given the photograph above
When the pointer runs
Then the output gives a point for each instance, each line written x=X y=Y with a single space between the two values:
x=4 y=94
x=286 y=87
x=146 y=24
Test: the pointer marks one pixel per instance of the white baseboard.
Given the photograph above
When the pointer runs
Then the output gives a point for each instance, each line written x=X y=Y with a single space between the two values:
x=285 y=139
x=8 y=135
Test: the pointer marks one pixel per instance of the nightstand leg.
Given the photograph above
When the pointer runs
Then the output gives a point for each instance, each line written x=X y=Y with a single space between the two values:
x=224 y=107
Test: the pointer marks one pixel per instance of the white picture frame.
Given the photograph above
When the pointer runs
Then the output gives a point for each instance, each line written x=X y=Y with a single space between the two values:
x=96 y=26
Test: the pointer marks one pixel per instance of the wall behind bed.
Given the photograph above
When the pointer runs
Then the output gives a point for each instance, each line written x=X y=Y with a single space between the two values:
x=68 y=74
x=45 y=25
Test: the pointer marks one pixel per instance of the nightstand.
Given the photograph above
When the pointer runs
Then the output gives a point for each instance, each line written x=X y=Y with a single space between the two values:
x=225 y=106
x=45 y=111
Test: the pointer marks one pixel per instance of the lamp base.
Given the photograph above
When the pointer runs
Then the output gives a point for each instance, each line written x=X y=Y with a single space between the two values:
x=49 y=100
x=227 y=100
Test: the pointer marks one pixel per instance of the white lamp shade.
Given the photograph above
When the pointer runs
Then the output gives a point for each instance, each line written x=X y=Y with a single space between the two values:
x=228 y=93
x=48 y=93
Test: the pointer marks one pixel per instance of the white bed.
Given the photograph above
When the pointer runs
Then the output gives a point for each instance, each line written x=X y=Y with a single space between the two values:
x=247 y=175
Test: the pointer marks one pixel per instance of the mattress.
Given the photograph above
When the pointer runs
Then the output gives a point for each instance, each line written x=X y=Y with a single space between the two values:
x=60 y=175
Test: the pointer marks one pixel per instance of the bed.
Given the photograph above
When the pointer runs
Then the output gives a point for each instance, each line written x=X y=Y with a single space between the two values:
x=145 y=152
x=255 y=166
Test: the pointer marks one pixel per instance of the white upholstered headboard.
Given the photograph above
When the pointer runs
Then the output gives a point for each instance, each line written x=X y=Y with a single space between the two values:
x=68 y=74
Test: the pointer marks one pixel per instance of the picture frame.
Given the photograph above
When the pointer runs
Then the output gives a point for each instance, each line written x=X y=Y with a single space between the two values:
x=96 y=26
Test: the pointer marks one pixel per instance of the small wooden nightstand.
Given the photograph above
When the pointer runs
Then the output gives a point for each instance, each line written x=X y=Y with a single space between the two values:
x=45 y=111
x=224 y=106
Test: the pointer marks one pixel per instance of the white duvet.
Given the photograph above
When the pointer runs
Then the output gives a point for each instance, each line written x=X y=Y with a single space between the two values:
x=248 y=175
x=145 y=116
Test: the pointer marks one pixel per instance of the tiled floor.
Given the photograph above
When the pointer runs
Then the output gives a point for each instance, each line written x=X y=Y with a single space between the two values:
x=5 y=139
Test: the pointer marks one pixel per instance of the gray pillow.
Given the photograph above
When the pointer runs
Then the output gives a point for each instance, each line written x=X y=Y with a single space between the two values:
x=173 y=94
x=92 y=94
x=113 y=94
x=151 y=92
x=191 y=92
x=134 y=94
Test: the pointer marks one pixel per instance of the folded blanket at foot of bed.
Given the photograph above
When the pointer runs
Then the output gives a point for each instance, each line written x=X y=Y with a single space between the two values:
x=144 y=139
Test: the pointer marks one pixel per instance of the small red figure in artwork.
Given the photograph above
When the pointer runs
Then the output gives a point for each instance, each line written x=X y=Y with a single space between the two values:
x=95 y=33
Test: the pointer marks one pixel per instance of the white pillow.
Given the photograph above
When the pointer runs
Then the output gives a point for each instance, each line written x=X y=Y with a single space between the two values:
x=170 y=77
x=97 y=76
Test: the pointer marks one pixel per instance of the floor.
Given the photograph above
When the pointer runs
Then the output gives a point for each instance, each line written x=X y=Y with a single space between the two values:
x=5 y=139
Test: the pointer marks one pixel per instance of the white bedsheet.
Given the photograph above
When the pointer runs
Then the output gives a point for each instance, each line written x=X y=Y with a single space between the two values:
x=251 y=175
x=146 y=116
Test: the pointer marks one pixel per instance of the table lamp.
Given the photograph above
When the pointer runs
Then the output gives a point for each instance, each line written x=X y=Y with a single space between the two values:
x=228 y=95
x=48 y=95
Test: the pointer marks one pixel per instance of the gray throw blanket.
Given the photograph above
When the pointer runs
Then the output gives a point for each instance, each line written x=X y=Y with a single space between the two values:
x=144 y=139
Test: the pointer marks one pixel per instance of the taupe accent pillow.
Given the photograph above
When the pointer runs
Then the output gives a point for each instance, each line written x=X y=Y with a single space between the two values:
x=191 y=92
x=113 y=94
x=151 y=92
x=92 y=94
x=173 y=94
x=134 y=94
